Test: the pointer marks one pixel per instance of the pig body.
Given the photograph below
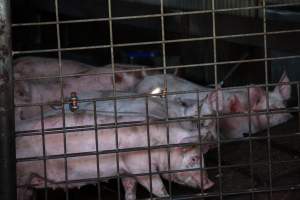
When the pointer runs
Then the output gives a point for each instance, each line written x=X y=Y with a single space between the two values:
x=89 y=79
x=80 y=168
x=86 y=166
x=136 y=107
x=234 y=101
x=136 y=135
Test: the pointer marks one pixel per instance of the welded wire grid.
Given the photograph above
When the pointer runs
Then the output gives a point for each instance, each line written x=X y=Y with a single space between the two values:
x=219 y=167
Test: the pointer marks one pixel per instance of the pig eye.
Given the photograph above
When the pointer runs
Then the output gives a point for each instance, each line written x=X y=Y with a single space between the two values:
x=183 y=104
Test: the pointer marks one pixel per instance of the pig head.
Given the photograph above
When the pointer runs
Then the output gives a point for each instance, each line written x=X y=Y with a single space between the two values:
x=238 y=102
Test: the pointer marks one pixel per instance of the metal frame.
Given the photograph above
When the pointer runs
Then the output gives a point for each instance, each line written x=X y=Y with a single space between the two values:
x=7 y=141
x=7 y=151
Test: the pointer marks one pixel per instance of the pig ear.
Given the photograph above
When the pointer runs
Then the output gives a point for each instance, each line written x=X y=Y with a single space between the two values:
x=255 y=95
x=214 y=97
x=191 y=139
x=194 y=139
x=283 y=90
x=235 y=104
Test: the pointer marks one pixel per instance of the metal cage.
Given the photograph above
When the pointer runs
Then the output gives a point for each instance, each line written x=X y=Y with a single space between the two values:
x=217 y=43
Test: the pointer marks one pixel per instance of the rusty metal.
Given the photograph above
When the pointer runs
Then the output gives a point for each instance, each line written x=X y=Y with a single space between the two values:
x=74 y=102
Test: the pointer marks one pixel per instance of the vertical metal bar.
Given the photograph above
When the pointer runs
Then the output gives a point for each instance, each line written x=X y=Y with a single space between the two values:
x=97 y=149
x=200 y=139
x=62 y=98
x=111 y=42
x=7 y=140
x=165 y=91
x=267 y=97
x=149 y=144
x=44 y=152
x=298 y=102
x=250 y=144
x=217 y=102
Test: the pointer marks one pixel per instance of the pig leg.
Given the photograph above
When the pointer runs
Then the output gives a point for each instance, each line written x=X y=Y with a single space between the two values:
x=35 y=180
x=24 y=193
x=129 y=185
x=158 y=187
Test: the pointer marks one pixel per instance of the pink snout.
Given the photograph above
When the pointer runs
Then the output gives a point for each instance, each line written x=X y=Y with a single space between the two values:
x=206 y=184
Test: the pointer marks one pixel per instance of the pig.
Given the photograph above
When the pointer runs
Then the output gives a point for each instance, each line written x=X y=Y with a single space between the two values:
x=129 y=162
x=156 y=108
x=235 y=100
x=78 y=77
x=31 y=173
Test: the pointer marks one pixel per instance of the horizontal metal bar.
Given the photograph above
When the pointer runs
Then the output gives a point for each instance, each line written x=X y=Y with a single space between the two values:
x=155 y=42
x=164 y=121
x=172 y=171
x=209 y=11
x=119 y=97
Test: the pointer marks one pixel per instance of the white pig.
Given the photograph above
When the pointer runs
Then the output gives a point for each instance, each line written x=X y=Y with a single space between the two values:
x=130 y=162
x=235 y=100
x=157 y=108
x=89 y=79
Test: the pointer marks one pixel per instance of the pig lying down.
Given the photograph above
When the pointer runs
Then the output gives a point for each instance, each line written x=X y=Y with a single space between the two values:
x=133 y=162
x=157 y=109
x=234 y=101
x=48 y=90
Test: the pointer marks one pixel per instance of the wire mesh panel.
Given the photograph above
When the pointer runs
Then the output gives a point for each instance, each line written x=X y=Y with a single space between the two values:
x=161 y=100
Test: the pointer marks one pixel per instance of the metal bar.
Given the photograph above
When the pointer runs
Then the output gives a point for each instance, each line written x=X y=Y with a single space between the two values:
x=165 y=89
x=157 y=42
x=226 y=166
x=111 y=42
x=170 y=145
x=97 y=149
x=267 y=98
x=217 y=102
x=44 y=153
x=149 y=147
x=152 y=15
x=61 y=85
x=7 y=141
x=221 y=194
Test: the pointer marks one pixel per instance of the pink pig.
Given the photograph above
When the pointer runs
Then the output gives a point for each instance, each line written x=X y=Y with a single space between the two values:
x=235 y=100
x=83 y=167
x=89 y=79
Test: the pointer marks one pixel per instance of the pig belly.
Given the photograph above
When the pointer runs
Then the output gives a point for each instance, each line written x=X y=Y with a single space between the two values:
x=78 y=168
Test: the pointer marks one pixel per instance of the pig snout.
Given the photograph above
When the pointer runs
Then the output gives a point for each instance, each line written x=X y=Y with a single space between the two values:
x=194 y=179
x=206 y=183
